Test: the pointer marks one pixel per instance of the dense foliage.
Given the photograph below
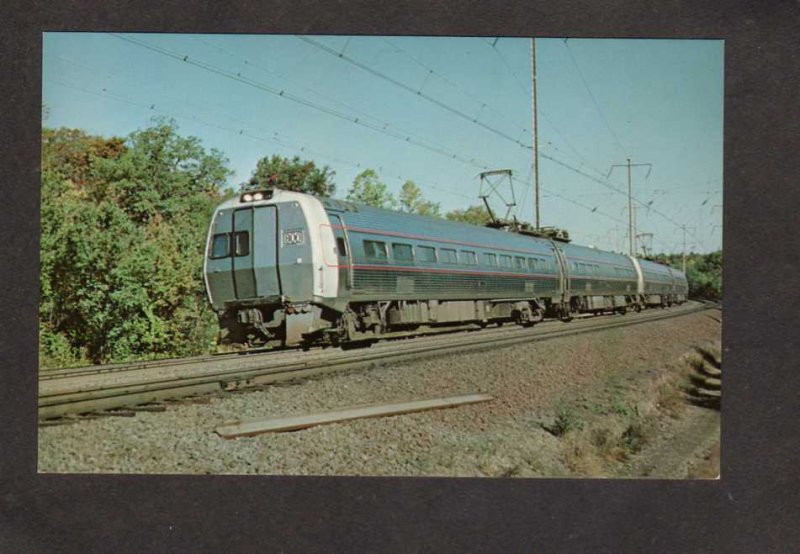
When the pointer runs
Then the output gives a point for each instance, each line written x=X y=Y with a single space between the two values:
x=476 y=215
x=367 y=188
x=295 y=174
x=703 y=271
x=123 y=227
x=411 y=201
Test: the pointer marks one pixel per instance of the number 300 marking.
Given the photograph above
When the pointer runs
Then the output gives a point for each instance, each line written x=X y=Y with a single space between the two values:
x=293 y=237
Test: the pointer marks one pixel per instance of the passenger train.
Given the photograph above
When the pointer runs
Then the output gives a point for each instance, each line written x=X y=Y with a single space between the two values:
x=287 y=268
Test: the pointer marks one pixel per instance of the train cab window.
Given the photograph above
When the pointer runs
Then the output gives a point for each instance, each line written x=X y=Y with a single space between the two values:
x=448 y=256
x=402 y=252
x=505 y=261
x=341 y=247
x=469 y=257
x=519 y=262
x=426 y=253
x=242 y=243
x=375 y=249
x=221 y=246
x=489 y=258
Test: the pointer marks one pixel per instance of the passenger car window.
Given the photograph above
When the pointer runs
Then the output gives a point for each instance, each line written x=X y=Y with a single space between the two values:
x=448 y=256
x=375 y=249
x=519 y=262
x=426 y=253
x=242 y=241
x=469 y=257
x=489 y=258
x=505 y=261
x=402 y=252
x=341 y=246
x=220 y=246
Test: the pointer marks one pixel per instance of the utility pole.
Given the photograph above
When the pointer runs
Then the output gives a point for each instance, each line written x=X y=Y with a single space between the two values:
x=684 y=248
x=684 y=228
x=631 y=229
x=535 y=131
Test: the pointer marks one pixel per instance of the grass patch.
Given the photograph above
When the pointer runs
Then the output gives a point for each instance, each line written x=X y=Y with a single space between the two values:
x=566 y=420
x=621 y=407
x=633 y=438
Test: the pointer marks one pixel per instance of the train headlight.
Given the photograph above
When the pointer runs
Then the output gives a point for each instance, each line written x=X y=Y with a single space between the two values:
x=258 y=196
x=247 y=197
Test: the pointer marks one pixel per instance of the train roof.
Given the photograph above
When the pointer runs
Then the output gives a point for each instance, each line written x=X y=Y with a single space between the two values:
x=410 y=225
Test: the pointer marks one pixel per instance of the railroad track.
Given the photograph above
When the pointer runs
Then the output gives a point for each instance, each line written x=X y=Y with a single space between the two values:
x=85 y=391
x=66 y=372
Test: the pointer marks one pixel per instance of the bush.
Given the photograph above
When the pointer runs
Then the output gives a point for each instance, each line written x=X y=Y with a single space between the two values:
x=566 y=420
x=122 y=244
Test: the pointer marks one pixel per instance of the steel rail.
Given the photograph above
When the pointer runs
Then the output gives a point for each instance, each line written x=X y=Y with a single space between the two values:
x=96 y=370
x=96 y=396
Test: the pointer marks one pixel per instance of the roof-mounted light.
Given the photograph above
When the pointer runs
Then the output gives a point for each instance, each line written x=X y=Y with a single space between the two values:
x=256 y=196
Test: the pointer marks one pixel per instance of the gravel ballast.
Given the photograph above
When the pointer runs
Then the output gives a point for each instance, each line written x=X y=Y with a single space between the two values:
x=499 y=438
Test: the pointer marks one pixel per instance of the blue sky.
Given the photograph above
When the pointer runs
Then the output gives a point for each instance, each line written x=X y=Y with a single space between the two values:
x=600 y=101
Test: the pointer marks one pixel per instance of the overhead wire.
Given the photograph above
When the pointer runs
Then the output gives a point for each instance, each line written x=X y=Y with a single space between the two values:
x=439 y=103
x=526 y=92
x=452 y=83
x=605 y=121
x=382 y=129
x=582 y=160
x=594 y=100
x=249 y=63
x=289 y=145
x=297 y=99
x=410 y=89
x=443 y=105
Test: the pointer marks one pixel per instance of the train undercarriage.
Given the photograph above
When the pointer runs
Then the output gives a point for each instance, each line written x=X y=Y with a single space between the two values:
x=292 y=324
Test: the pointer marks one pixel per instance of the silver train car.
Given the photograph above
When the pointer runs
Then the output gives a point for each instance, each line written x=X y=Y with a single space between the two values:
x=287 y=268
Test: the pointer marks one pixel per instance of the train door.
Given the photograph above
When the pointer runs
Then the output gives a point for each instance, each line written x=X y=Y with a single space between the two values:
x=265 y=251
x=244 y=277
x=342 y=253
x=255 y=260
x=219 y=278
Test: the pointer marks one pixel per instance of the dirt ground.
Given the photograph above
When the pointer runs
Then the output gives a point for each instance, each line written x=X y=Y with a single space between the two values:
x=607 y=404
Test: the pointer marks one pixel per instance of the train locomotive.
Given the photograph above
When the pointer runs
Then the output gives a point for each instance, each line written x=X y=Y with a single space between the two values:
x=287 y=268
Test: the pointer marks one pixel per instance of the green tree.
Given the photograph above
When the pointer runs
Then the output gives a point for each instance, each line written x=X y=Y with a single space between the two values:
x=475 y=215
x=291 y=174
x=123 y=232
x=703 y=272
x=73 y=155
x=368 y=189
x=411 y=201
